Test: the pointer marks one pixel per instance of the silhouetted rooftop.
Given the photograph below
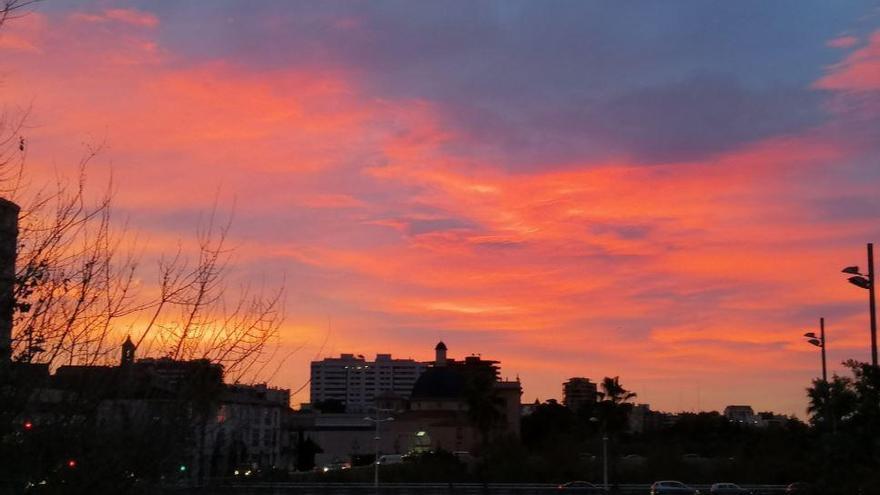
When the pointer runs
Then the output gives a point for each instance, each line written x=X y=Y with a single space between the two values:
x=439 y=382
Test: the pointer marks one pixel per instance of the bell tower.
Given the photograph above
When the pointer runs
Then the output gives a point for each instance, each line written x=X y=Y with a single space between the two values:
x=440 y=354
x=127 y=352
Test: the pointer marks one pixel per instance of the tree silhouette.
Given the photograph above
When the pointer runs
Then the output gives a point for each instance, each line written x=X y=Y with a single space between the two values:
x=845 y=415
x=614 y=407
x=614 y=392
x=830 y=402
x=484 y=403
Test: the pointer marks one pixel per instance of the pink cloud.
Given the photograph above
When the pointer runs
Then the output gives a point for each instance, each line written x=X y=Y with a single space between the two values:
x=843 y=42
x=25 y=34
x=131 y=17
x=860 y=71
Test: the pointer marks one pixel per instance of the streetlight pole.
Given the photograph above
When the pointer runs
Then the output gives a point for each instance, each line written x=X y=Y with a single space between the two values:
x=605 y=459
x=872 y=304
x=822 y=338
x=820 y=343
x=377 y=421
x=604 y=452
x=866 y=281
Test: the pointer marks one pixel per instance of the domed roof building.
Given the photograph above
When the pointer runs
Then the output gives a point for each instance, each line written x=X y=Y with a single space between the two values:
x=439 y=382
x=439 y=415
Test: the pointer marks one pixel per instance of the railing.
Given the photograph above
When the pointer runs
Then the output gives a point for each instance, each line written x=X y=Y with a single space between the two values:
x=273 y=488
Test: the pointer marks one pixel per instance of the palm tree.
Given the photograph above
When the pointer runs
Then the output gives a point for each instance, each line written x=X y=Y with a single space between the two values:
x=614 y=392
x=614 y=407
x=484 y=405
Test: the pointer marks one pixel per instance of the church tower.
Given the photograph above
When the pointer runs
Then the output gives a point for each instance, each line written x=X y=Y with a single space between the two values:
x=127 y=352
x=440 y=354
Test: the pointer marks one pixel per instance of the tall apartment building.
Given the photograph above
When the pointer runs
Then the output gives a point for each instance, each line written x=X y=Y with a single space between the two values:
x=577 y=392
x=741 y=414
x=356 y=382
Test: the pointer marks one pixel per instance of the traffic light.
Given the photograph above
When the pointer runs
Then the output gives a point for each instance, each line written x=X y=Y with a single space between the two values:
x=28 y=425
x=182 y=468
x=71 y=463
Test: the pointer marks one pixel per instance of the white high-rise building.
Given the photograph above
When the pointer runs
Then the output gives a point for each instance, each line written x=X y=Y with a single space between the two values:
x=356 y=382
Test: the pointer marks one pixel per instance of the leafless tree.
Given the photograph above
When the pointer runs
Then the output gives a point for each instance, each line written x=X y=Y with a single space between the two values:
x=78 y=290
x=9 y=9
x=80 y=287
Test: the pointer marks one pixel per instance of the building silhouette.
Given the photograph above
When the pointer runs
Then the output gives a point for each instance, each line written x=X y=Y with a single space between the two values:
x=454 y=405
x=578 y=392
x=741 y=414
x=354 y=383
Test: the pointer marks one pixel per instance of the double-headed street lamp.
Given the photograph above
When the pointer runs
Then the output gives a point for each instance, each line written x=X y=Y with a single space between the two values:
x=866 y=281
x=377 y=421
x=820 y=343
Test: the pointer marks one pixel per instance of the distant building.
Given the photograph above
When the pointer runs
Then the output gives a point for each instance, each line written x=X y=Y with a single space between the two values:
x=768 y=419
x=434 y=414
x=741 y=414
x=578 y=392
x=223 y=426
x=643 y=420
x=528 y=409
x=356 y=383
x=340 y=437
x=247 y=430
x=440 y=415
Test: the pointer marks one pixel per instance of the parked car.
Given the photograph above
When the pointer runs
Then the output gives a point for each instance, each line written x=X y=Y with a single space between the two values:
x=672 y=488
x=798 y=488
x=390 y=459
x=580 y=487
x=728 y=489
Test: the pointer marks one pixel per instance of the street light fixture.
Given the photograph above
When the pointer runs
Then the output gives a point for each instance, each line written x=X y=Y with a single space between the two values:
x=377 y=421
x=820 y=343
x=866 y=281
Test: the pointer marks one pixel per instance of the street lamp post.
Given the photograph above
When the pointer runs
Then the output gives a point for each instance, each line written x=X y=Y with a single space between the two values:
x=820 y=343
x=866 y=281
x=604 y=453
x=605 y=460
x=377 y=421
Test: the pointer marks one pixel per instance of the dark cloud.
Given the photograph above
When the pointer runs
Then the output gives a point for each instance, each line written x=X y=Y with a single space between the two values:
x=418 y=227
x=532 y=84
x=623 y=231
x=848 y=207
x=700 y=116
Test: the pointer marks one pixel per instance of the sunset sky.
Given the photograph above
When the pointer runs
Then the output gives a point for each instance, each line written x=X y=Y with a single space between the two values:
x=664 y=191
